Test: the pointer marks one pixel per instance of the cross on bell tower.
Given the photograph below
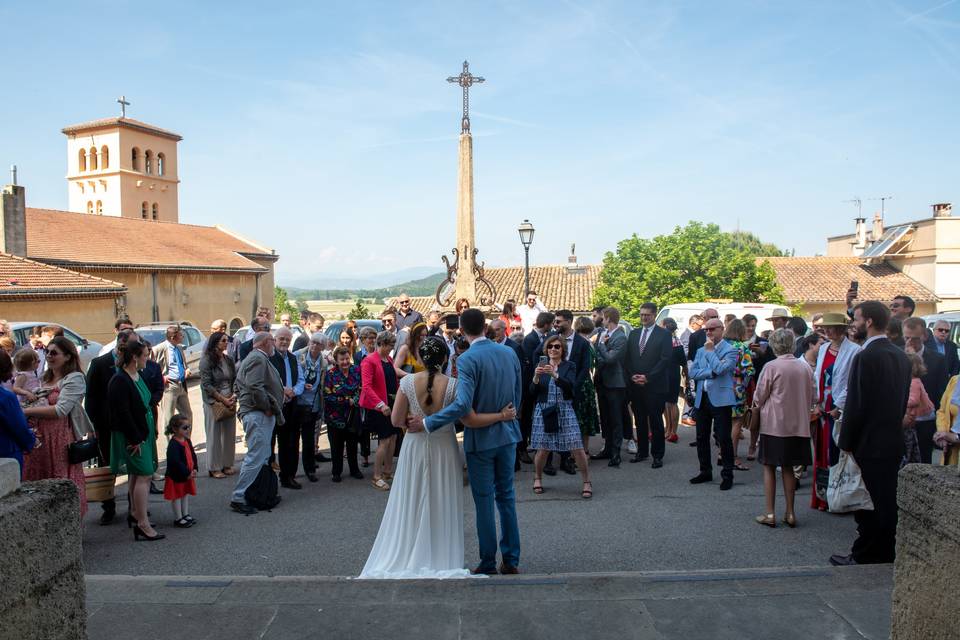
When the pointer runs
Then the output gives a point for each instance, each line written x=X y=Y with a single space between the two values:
x=123 y=106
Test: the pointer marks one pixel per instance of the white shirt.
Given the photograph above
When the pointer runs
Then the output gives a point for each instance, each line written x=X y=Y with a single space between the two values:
x=528 y=315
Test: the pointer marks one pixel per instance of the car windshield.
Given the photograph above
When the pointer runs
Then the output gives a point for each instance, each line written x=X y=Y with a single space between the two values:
x=153 y=336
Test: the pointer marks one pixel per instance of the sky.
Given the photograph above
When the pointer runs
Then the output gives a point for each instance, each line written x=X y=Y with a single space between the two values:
x=327 y=130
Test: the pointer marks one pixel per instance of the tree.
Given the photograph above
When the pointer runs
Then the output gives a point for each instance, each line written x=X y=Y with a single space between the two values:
x=754 y=246
x=694 y=263
x=282 y=304
x=359 y=312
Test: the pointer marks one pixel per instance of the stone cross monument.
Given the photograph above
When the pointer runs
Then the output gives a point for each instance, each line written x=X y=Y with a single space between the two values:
x=465 y=277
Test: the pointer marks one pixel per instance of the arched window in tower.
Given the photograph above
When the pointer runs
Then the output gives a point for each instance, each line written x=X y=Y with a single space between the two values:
x=156 y=211
x=161 y=164
x=92 y=157
x=144 y=210
x=99 y=208
x=82 y=158
x=89 y=206
x=148 y=161
x=104 y=157
x=135 y=159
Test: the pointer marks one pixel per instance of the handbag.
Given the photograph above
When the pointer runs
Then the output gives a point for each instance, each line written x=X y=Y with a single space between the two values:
x=353 y=420
x=551 y=418
x=221 y=411
x=846 y=491
x=82 y=450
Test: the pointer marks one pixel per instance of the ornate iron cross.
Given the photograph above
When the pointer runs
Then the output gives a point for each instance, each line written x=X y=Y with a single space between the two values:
x=465 y=80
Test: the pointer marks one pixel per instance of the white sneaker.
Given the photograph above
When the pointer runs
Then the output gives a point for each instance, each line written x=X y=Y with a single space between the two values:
x=631 y=446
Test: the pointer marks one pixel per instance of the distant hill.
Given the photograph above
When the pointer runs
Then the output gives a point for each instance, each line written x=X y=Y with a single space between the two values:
x=352 y=283
x=422 y=287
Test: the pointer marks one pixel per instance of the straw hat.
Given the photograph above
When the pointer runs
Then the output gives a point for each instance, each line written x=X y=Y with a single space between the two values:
x=779 y=313
x=834 y=319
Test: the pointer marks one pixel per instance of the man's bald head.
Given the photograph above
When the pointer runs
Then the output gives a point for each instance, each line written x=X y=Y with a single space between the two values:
x=710 y=313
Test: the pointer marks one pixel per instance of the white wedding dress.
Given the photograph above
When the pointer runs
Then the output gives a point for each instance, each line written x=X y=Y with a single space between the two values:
x=421 y=534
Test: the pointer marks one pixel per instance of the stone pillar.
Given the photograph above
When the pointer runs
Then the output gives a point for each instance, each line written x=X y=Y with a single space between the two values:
x=13 y=222
x=43 y=594
x=466 y=284
x=926 y=572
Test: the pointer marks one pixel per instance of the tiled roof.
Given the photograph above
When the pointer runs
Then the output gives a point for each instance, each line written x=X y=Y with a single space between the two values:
x=120 y=122
x=23 y=278
x=826 y=279
x=557 y=286
x=65 y=238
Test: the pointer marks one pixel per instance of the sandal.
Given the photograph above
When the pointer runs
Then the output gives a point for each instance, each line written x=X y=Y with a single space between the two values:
x=740 y=467
x=228 y=471
x=586 y=494
x=379 y=483
x=219 y=475
x=538 y=486
x=751 y=455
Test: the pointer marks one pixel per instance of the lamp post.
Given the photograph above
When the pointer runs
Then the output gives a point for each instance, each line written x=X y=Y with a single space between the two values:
x=526 y=238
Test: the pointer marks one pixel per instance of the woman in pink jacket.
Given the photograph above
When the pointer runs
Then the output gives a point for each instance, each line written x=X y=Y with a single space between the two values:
x=378 y=388
x=785 y=395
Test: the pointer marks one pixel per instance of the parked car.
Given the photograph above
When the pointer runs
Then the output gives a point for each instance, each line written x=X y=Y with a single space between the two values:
x=953 y=317
x=682 y=312
x=334 y=329
x=87 y=349
x=241 y=333
x=155 y=333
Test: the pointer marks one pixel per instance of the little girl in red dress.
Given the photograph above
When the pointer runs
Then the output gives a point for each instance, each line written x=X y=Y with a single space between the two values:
x=181 y=471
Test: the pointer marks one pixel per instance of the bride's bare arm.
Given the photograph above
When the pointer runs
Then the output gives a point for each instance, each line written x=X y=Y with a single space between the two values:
x=399 y=415
x=476 y=420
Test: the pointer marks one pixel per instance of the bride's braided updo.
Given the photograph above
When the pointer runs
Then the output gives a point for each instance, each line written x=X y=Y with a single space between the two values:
x=434 y=354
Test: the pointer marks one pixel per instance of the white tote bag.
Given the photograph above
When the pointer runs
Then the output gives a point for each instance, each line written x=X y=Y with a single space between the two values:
x=845 y=490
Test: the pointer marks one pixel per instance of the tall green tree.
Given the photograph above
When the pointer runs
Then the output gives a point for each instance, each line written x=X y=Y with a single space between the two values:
x=282 y=304
x=359 y=311
x=694 y=263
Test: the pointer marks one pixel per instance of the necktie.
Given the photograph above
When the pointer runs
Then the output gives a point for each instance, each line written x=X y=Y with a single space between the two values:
x=643 y=340
x=180 y=371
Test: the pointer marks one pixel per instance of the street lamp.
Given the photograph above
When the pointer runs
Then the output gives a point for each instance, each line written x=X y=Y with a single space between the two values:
x=526 y=238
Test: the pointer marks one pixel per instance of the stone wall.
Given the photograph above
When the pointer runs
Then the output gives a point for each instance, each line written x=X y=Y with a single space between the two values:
x=926 y=573
x=41 y=570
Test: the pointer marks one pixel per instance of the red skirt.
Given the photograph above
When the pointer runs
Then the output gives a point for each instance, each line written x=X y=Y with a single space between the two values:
x=176 y=490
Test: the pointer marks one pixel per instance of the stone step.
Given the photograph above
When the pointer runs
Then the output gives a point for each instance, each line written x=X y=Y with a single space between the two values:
x=802 y=602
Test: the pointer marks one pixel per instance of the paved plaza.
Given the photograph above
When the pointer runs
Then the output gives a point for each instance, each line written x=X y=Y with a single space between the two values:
x=640 y=519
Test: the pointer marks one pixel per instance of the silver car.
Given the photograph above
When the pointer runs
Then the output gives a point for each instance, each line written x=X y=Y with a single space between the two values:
x=88 y=349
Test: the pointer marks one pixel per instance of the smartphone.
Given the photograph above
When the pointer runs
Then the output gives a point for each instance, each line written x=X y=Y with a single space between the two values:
x=543 y=361
x=855 y=286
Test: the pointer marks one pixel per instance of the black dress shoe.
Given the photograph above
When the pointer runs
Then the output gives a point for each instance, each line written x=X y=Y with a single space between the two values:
x=508 y=569
x=840 y=560
x=726 y=484
x=525 y=457
x=356 y=475
x=640 y=457
x=321 y=458
x=549 y=470
x=603 y=455
x=700 y=478
x=245 y=509
x=290 y=484
x=693 y=444
x=568 y=467
x=486 y=571
x=657 y=463
x=614 y=461
x=335 y=478
x=154 y=490
x=312 y=477
x=107 y=517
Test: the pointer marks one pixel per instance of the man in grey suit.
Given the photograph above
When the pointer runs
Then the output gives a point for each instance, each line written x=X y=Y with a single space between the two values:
x=649 y=350
x=488 y=380
x=259 y=406
x=611 y=348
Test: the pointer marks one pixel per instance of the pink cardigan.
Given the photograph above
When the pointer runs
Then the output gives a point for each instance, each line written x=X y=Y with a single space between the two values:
x=785 y=394
x=918 y=404
x=373 y=384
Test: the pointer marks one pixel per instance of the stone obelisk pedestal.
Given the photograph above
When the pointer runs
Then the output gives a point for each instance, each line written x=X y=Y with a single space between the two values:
x=466 y=283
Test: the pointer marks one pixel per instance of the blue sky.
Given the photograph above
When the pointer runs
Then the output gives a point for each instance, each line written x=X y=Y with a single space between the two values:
x=327 y=130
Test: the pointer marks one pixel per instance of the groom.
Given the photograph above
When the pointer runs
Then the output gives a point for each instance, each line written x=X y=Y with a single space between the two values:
x=488 y=379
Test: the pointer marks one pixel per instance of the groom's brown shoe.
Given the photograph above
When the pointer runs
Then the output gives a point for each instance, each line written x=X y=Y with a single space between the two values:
x=487 y=571
x=508 y=569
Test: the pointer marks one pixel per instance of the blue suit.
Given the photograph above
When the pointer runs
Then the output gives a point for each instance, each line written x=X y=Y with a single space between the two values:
x=713 y=371
x=15 y=436
x=489 y=379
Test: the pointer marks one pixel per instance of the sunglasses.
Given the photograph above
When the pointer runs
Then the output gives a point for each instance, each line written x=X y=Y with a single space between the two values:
x=942 y=330
x=555 y=346
x=53 y=353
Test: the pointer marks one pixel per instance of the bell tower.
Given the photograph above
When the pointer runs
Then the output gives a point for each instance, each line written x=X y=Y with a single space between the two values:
x=123 y=167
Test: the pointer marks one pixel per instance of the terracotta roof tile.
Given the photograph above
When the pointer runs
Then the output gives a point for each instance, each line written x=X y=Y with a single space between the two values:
x=120 y=122
x=61 y=237
x=556 y=286
x=826 y=279
x=23 y=278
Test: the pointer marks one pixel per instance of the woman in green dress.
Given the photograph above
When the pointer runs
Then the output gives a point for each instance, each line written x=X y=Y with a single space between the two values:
x=133 y=445
x=585 y=404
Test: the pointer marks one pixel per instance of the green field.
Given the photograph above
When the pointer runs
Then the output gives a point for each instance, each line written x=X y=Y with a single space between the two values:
x=338 y=309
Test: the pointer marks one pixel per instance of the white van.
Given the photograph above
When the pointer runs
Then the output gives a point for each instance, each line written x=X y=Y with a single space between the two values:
x=681 y=312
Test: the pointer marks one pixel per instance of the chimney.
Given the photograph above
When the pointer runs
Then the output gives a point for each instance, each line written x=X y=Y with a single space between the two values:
x=13 y=224
x=572 y=265
x=942 y=210
x=860 y=235
x=877 y=226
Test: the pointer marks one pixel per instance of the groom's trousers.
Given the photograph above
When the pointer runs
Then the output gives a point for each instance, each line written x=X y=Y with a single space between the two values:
x=491 y=481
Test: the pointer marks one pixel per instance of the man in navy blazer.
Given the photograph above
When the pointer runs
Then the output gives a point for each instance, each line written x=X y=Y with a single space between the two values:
x=713 y=370
x=649 y=350
x=488 y=380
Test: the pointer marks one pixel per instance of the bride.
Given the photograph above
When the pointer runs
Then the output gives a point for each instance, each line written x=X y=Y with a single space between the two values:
x=421 y=534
